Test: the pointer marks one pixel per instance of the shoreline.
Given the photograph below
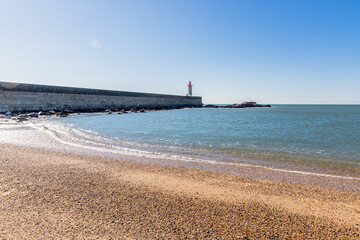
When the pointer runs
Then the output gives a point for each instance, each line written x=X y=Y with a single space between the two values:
x=60 y=194
x=49 y=136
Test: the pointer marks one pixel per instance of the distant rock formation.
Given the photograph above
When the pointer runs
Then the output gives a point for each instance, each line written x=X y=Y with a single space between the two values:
x=239 y=105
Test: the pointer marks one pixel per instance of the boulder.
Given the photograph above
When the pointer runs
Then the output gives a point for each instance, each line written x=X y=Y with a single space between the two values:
x=22 y=119
x=23 y=115
x=68 y=111
x=42 y=113
x=33 y=115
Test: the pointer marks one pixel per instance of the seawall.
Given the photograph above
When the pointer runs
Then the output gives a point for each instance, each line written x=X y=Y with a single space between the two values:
x=16 y=97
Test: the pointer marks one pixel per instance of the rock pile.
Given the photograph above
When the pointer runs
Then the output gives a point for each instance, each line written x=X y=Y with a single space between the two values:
x=26 y=115
x=239 y=105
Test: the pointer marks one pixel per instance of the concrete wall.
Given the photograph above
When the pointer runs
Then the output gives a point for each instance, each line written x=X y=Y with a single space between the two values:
x=29 y=97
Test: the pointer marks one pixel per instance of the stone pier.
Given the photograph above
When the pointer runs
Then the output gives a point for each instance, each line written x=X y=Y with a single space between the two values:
x=16 y=97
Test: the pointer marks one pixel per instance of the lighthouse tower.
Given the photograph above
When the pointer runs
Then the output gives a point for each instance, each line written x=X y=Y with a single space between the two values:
x=190 y=89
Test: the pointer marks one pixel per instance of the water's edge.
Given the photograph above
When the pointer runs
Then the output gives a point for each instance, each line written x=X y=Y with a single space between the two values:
x=62 y=137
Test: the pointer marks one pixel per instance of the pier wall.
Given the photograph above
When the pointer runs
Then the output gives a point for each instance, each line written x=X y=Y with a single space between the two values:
x=17 y=97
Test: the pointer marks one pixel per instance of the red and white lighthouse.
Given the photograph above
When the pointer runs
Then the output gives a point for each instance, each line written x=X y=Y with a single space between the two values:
x=190 y=89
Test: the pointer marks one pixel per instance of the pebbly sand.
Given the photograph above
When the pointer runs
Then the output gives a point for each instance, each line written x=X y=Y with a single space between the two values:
x=47 y=194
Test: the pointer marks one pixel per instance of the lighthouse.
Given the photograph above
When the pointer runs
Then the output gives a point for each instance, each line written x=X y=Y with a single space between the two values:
x=190 y=89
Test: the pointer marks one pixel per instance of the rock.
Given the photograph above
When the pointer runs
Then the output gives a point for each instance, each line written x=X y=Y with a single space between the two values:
x=250 y=104
x=22 y=119
x=68 y=111
x=211 y=106
x=7 y=113
x=33 y=115
x=237 y=105
x=109 y=111
x=41 y=113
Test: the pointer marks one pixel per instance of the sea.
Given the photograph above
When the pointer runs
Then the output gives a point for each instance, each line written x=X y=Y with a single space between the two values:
x=323 y=139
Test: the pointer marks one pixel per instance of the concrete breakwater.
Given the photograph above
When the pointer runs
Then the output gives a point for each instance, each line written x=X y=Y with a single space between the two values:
x=18 y=97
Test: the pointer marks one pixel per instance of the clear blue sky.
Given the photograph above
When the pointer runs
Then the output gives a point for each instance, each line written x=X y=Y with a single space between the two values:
x=304 y=51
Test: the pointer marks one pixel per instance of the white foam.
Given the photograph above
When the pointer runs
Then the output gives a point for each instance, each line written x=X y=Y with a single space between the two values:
x=84 y=140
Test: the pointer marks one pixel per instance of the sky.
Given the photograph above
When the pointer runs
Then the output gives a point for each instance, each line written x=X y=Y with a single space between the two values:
x=268 y=51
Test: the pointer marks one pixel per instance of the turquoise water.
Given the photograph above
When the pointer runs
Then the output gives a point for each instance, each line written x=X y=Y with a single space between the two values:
x=309 y=136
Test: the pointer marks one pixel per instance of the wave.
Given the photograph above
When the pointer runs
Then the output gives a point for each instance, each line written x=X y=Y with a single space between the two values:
x=91 y=141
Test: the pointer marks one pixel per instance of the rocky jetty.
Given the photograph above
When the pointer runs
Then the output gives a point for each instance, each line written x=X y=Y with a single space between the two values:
x=239 y=105
x=22 y=116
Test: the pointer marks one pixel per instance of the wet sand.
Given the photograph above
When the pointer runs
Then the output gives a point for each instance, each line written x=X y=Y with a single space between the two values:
x=46 y=194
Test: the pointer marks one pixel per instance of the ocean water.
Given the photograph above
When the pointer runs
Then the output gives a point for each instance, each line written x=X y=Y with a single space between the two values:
x=320 y=138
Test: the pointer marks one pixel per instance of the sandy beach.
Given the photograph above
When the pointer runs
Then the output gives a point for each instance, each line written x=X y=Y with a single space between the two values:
x=48 y=194
x=138 y=119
